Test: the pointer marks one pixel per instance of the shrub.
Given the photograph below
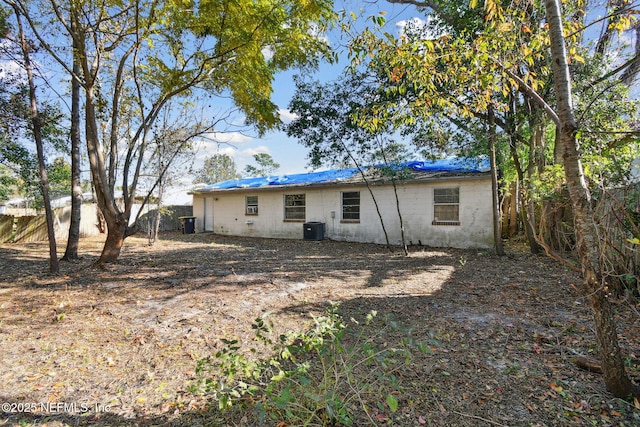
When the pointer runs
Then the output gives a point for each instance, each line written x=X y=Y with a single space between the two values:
x=323 y=376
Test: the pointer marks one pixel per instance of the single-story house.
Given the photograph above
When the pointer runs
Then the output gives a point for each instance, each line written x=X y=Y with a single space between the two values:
x=444 y=203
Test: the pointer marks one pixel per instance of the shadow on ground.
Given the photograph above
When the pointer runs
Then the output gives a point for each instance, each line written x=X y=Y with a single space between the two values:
x=502 y=332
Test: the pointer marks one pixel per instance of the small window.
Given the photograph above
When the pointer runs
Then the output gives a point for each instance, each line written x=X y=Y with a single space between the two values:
x=446 y=206
x=251 y=205
x=351 y=206
x=294 y=207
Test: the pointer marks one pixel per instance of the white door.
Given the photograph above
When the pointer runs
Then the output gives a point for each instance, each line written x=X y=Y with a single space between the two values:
x=208 y=214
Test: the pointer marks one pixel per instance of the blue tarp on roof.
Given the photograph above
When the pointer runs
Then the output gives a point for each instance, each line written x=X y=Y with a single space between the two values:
x=452 y=164
x=459 y=165
x=300 y=179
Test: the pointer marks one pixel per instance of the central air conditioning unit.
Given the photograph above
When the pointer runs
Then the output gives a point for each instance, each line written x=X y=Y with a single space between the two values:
x=313 y=231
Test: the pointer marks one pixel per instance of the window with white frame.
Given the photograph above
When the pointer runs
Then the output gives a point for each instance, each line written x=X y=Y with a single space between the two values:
x=351 y=206
x=251 y=205
x=446 y=206
x=294 y=207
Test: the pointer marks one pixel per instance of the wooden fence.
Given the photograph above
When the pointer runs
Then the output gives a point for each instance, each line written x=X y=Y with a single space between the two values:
x=33 y=228
x=617 y=214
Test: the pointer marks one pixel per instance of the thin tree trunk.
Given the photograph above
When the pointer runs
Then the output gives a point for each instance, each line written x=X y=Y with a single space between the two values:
x=403 y=241
x=497 y=228
x=531 y=170
x=155 y=226
x=513 y=209
x=526 y=221
x=587 y=246
x=373 y=197
x=71 y=253
x=36 y=124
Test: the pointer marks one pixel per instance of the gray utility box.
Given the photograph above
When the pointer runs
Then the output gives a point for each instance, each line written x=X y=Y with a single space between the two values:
x=313 y=231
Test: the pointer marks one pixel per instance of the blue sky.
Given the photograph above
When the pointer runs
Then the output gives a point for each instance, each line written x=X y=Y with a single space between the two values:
x=286 y=151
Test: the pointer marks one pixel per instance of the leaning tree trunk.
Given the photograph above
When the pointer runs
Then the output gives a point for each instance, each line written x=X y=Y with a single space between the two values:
x=116 y=233
x=115 y=220
x=36 y=124
x=587 y=246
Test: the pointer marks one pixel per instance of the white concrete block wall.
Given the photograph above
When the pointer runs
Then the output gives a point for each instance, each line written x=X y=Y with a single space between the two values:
x=416 y=204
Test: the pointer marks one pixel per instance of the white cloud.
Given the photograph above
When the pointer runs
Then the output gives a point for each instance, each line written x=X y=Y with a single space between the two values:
x=228 y=150
x=418 y=25
x=267 y=52
x=11 y=68
x=317 y=32
x=414 y=22
x=232 y=138
x=215 y=142
x=250 y=152
x=287 y=116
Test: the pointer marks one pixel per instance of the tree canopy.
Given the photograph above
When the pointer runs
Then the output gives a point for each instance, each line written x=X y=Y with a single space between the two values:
x=216 y=168
x=135 y=58
x=528 y=68
x=265 y=165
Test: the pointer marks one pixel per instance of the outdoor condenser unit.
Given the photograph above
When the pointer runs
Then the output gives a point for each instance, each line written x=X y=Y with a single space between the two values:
x=313 y=231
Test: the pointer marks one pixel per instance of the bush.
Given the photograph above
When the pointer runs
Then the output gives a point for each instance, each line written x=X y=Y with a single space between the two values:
x=318 y=377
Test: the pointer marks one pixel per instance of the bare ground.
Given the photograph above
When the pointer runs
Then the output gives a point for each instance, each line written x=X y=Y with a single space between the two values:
x=119 y=346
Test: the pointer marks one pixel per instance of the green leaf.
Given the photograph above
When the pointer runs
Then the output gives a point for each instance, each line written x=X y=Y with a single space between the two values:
x=392 y=401
x=278 y=377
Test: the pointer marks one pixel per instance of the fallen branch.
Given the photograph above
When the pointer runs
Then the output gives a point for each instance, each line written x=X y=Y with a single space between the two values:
x=479 y=418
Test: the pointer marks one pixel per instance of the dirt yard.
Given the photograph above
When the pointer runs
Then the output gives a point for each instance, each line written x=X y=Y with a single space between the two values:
x=119 y=346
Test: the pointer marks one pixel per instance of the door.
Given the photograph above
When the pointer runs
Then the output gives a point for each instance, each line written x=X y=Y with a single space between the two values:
x=208 y=214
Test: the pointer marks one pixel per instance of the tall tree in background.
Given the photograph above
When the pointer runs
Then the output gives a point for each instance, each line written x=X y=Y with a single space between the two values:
x=468 y=63
x=73 y=240
x=8 y=181
x=327 y=122
x=18 y=164
x=216 y=168
x=172 y=144
x=59 y=173
x=36 y=125
x=221 y=47
x=489 y=63
x=265 y=165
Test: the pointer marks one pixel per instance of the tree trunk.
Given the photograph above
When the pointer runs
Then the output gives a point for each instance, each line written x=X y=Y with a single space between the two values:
x=403 y=241
x=116 y=231
x=513 y=209
x=116 y=223
x=71 y=253
x=534 y=149
x=526 y=220
x=587 y=246
x=36 y=124
x=497 y=229
x=154 y=226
